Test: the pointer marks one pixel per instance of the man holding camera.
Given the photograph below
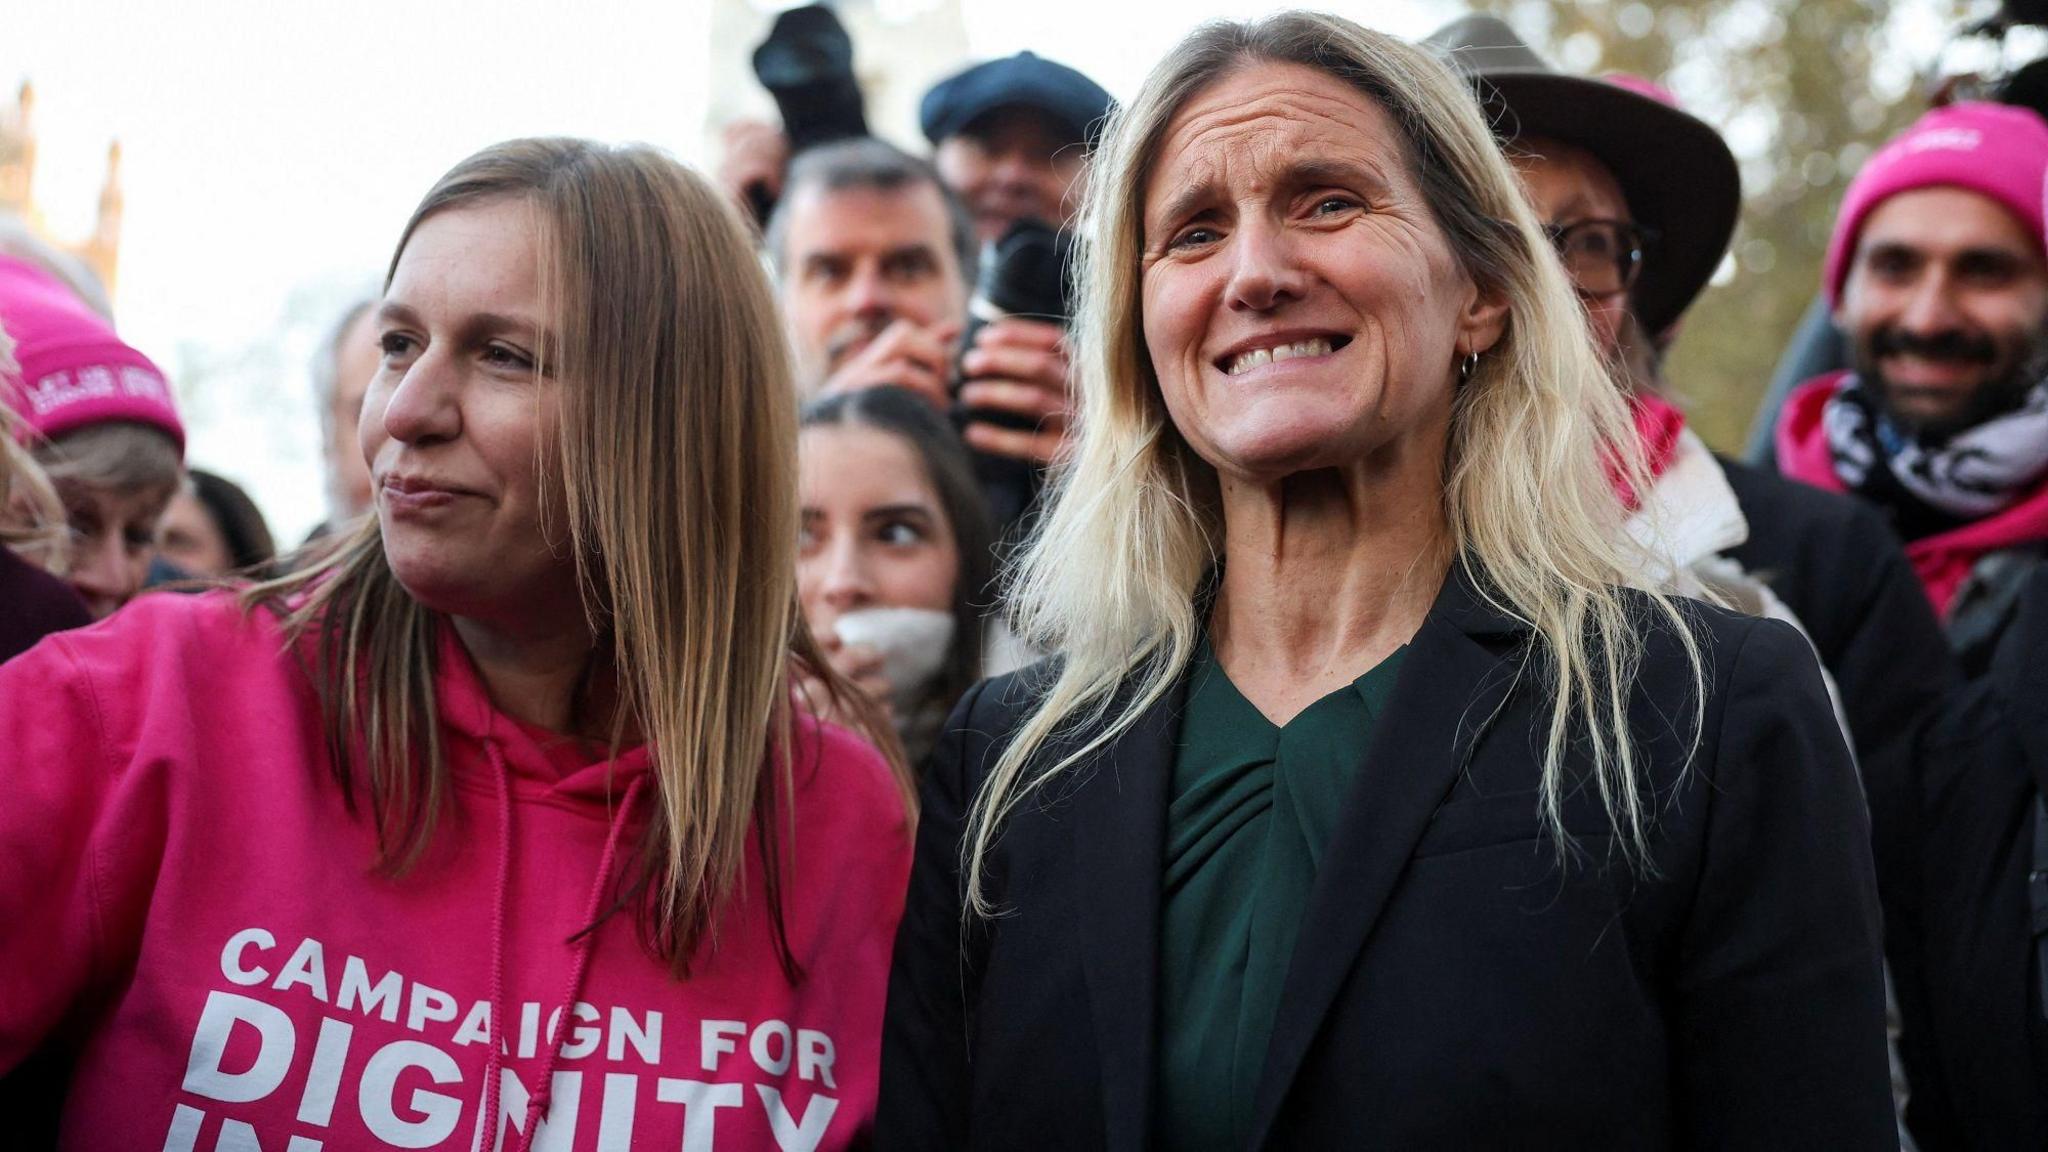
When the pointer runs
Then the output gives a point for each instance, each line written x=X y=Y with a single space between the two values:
x=1011 y=136
x=875 y=258
x=878 y=270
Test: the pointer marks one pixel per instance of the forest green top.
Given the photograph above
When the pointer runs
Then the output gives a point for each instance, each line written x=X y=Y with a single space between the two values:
x=1251 y=807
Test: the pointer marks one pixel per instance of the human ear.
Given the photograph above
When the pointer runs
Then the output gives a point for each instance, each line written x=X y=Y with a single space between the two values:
x=1483 y=321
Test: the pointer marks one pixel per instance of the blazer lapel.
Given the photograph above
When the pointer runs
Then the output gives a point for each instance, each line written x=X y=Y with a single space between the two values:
x=1120 y=818
x=1450 y=686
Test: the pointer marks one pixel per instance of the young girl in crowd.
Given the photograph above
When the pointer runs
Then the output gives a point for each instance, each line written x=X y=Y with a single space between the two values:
x=499 y=827
x=101 y=424
x=895 y=553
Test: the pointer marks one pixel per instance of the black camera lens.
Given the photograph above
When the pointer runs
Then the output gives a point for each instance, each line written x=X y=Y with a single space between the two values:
x=1026 y=275
x=807 y=65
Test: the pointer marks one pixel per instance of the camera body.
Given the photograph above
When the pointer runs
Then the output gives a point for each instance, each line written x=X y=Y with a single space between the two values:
x=806 y=63
x=1025 y=275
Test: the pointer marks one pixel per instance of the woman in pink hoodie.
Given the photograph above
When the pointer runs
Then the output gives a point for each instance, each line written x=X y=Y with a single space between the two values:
x=501 y=827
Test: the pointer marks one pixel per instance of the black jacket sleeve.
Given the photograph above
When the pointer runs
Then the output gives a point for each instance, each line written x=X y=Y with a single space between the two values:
x=1780 y=1019
x=925 y=1082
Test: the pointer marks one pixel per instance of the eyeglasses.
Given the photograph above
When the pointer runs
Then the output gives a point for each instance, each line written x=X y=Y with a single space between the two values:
x=1603 y=257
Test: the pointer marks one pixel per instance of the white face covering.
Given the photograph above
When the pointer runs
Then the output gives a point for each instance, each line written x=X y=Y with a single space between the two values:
x=912 y=642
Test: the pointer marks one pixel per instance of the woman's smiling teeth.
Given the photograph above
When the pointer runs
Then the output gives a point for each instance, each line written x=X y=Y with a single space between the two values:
x=1260 y=357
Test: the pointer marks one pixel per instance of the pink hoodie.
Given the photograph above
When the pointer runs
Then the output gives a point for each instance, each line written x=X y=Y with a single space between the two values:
x=1943 y=560
x=184 y=897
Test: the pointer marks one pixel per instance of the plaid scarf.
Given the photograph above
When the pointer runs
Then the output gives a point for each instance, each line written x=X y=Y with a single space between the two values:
x=1974 y=474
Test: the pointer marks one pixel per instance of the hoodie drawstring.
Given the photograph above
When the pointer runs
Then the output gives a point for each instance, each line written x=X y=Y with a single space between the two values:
x=489 y=1142
x=537 y=1103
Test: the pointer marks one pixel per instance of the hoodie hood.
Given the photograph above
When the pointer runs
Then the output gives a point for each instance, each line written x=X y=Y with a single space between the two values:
x=540 y=764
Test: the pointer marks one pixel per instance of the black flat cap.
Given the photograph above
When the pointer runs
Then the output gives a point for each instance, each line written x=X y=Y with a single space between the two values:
x=1079 y=105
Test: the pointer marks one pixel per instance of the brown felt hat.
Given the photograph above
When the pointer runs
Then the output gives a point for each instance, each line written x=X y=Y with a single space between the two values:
x=1677 y=173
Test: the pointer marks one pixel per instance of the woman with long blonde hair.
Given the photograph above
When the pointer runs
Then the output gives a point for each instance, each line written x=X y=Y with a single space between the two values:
x=1366 y=805
x=502 y=826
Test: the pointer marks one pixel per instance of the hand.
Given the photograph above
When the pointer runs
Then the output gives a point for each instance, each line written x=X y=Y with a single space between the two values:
x=906 y=354
x=1019 y=366
x=860 y=666
x=752 y=153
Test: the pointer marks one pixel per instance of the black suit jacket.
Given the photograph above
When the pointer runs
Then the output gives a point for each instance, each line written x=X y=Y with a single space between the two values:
x=1453 y=986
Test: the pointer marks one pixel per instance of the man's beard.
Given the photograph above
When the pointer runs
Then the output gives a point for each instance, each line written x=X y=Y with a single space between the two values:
x=1993 y=396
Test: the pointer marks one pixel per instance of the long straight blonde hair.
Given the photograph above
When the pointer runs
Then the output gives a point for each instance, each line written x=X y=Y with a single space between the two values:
x=1539 y=435
x=677 y=482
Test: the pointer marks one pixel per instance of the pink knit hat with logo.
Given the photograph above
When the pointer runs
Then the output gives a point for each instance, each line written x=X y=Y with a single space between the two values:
x=74 y=370
x=1997 y=150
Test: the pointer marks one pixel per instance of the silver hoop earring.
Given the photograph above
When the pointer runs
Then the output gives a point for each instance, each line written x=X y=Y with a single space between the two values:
x=1467 y=367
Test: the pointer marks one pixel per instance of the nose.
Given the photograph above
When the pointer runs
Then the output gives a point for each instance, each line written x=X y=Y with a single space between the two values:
x=848 y=584
x=1264 y=274
x=1931 y=307
x=1018 y=167
x=869 y=293
x=103 y=573
x=423 y=407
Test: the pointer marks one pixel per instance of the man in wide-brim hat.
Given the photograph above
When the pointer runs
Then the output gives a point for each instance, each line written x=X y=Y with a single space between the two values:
x=1641 y=199
x=1682 y=187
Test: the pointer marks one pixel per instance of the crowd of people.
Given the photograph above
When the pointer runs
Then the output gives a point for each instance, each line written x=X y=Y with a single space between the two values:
x=1193 y=624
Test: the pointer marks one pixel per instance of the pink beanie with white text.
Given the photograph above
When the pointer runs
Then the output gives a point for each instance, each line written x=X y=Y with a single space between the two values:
x=75 y=371
x=1997 y=150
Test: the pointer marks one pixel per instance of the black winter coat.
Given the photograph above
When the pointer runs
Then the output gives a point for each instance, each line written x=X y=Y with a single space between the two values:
x=1981 y=1078
x=1837 y=565
x=1452 y=986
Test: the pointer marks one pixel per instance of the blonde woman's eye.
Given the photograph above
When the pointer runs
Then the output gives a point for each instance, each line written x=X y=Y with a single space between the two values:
x=1193 y=238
